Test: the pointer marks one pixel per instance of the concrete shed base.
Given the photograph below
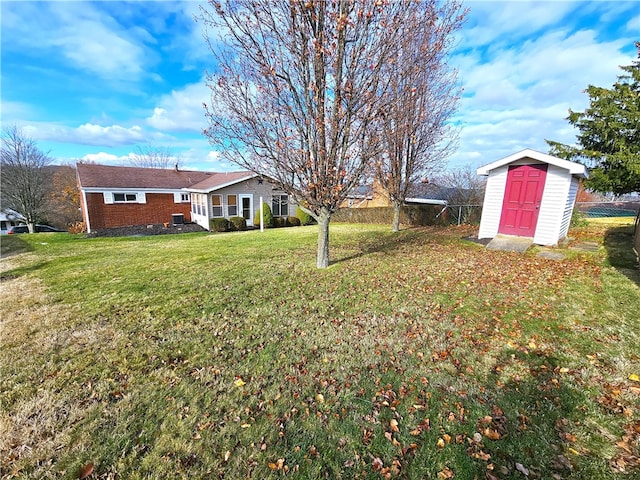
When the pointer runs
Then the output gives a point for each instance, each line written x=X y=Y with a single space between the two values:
x=510 y=243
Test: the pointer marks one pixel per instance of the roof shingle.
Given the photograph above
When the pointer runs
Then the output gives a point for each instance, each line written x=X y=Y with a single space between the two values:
x=105 y=176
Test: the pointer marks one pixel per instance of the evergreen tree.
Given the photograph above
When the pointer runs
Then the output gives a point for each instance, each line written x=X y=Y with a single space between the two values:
x=609 y=138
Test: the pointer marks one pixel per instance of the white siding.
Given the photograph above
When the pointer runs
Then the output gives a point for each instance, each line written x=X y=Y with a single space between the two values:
x=492 y=205
x=568 y=208
x=552 y=206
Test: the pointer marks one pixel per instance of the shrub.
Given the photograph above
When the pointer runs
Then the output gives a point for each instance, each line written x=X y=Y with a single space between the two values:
x=578 y=219
x=77 y=227
x=304 y=217
x=267 y=216
x=293 y=221
x=237 y=223
x=219 y=225
x=279 y=222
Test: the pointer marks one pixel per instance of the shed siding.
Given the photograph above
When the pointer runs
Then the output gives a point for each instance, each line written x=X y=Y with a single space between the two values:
x=568 y=209
x=492 y=206
x=551 y=212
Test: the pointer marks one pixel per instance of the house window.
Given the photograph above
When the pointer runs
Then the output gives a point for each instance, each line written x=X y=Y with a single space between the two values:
x=280 y=205
x=232 y=205
x=125 y=197
x=184 y=197
x=216 y=203
x=197 y=206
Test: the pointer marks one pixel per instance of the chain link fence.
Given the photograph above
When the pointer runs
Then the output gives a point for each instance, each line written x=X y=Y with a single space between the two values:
x=608 y=209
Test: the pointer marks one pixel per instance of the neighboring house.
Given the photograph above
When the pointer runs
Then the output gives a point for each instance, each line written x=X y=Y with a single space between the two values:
x=127 y=196
x=9 y=218
x=365 y=196
x=530 y=194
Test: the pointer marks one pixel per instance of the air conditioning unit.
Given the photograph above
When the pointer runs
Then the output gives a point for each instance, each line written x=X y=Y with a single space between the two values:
x=177 y=218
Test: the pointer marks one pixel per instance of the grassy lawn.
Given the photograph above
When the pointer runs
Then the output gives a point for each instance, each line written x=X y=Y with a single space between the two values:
x=414 y=355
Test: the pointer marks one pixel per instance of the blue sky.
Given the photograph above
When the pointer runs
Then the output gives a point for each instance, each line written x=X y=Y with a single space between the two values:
x=94 y=80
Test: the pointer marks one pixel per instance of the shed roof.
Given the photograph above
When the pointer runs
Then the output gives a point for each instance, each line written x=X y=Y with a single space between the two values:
x=574 y=168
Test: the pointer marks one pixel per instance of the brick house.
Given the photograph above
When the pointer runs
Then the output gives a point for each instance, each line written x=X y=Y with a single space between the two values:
x=113 y=197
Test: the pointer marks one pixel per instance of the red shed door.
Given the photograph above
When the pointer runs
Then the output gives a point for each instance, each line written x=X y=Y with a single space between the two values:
x=522 y=197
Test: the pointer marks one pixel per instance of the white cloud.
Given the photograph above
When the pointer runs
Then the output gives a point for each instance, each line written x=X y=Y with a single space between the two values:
x=106 y=158
x=79 y=34
x=519 y=84
x=181 y=110
x=88 y=134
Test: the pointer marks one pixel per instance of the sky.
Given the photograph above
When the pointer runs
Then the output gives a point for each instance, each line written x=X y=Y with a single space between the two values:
x=95 y=81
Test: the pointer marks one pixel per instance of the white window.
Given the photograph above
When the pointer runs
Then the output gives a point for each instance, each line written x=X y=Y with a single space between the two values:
x=125 y=198
x=216 y=203
x=232 y=205
x=280 y=205
x=179 y=197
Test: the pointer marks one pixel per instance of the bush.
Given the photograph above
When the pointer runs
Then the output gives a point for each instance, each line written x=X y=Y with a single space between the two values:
x=578 y=219
x=219 y=225
x=304 y=217
x=237 y=223
x=293 y=222
x=279 y=222
x=267 y=216
x=77 y=227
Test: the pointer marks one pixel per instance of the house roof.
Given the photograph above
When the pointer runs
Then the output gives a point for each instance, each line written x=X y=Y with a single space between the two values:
x=104 y=176
x=216 y=181
x=573 y=167
x=110 y=177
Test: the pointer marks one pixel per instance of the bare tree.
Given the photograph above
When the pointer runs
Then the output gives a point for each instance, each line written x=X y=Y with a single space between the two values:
x=296 y=93
x=423 y=94
x=464 y=190
x=149 y=156
x=64 y=197
x=25 y=179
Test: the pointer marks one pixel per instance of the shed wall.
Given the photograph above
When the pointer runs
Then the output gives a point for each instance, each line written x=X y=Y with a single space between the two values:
x=554 y=199
x=492 y=206
x=568 y=208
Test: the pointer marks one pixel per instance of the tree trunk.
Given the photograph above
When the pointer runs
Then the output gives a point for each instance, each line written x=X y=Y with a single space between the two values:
x=323 y=238
x=396 y=216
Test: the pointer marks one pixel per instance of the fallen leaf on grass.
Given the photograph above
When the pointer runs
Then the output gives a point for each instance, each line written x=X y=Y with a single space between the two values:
x=86 y=471
x=277 y=465
x=394 y=425
x=445 y=474
x=239 y=383
x=491 y=434
x=634 y=377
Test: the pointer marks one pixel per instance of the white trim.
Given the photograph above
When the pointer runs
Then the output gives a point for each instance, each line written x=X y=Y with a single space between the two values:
x=251 y=211
x=132 y=190
x=218 y=187
x=573 y=167
x=426 y=201
x=86 y=210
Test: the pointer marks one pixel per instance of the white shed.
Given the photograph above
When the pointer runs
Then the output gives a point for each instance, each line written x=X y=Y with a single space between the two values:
x=530 y=194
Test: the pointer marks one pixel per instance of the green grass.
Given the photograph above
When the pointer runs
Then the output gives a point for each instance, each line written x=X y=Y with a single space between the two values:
x=232 y=356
